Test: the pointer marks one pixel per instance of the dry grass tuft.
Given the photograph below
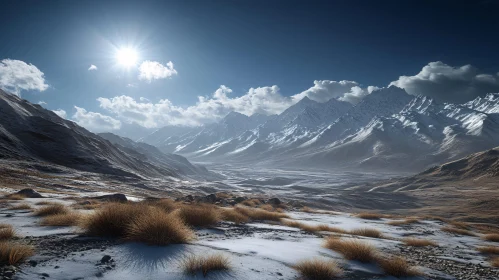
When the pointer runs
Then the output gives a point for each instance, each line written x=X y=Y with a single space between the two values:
x=12 y=253
x=6 y=232
x=460 y=225
x=495 y=262
x=53 y=209
x=352 y=249
x=231 y=215
x=200 y=215
x=414 y=242
x=267 y=207
x=251 y=202
x=15 y=196
x=165 y=204
x=367 y=232
x=155 y=227
x=403 y=222
x=494 y=237
x=260 y=214
x=370 y=216
x=307 y=209
x=397 y=266
x=113 y=219
x=64 y=219
x=311 y=228
x=22 y=206
x=458 y=231
x=45 y=203
x=488 y=250
x=192 y=264
x=318 y=269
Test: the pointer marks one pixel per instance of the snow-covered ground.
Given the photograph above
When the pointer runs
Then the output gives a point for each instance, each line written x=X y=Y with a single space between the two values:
x=264 y=251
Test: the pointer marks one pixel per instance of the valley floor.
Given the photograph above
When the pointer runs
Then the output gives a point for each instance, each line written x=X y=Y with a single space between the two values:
x=256 y=250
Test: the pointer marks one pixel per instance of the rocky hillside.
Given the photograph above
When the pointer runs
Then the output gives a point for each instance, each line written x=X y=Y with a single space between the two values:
x=29 y=132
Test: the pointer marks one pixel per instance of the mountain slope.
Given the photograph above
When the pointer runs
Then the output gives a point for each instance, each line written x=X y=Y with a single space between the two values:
x=30 y=132
x=388 y=129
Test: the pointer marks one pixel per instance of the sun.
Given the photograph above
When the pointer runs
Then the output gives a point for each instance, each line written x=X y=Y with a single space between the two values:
x=127 y=57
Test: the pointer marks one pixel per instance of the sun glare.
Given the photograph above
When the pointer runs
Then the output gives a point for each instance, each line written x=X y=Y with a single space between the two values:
x=127 y=57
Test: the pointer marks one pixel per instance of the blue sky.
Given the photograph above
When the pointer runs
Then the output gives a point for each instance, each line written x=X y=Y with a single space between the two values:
x=245 y=56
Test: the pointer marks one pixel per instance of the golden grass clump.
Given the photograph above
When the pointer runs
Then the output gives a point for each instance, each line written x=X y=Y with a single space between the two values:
x=13 y=253
x=414 y=242
x=113 y=219
x=403 y=222
x=367 y=232
x=488 y=250
x=494 y=237
x=311 y=228
x=352 y=249
x=15 y=196
x=64 y=219
x=458 y=231
x=45 y=203
x=155 y=227
x=53 y=209
x=267 y=207
x=495 y=262
x=460 y=225
x=370 y=216
x=22 y=206
x=231 y=215
x=202 y=215
x=398 y=267
x=6 y=232
x=307 y=209
x=260 y=214
x=319 y=269
x=251 y=202
x=216 y=262
x=165 y=204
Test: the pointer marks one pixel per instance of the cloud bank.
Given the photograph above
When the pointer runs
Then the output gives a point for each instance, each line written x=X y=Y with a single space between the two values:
x=446 y=83
x=17 y=75
x=95 y=122
x=437 y=80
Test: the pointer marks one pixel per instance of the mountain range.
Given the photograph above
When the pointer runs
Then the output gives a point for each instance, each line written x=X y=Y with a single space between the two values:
x=29 y=133
x=388 y=130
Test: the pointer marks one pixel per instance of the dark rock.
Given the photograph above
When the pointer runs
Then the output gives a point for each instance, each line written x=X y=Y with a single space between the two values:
x=33 y=263
x=30 y=193
x=118 y=197
x=211 y=198
x=274 y=201
x=189 y=198
x=105 y=259
x=240 y=199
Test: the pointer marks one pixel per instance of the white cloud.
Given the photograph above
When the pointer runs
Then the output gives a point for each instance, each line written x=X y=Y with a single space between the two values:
x=92 y=68
x=17 y=75
x=61 y=113
x=356 y=94
x=449 y=84
x=153 y=70
x=263 y=100
x=324 y=90
x=42 y=103
x=143 y=99
x=95 y=122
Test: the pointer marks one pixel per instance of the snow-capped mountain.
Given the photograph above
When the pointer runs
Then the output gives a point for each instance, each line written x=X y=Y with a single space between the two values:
x=388 y=129
x=28 y=132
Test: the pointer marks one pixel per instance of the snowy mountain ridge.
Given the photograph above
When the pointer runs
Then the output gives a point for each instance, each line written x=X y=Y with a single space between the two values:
x=388 y=129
